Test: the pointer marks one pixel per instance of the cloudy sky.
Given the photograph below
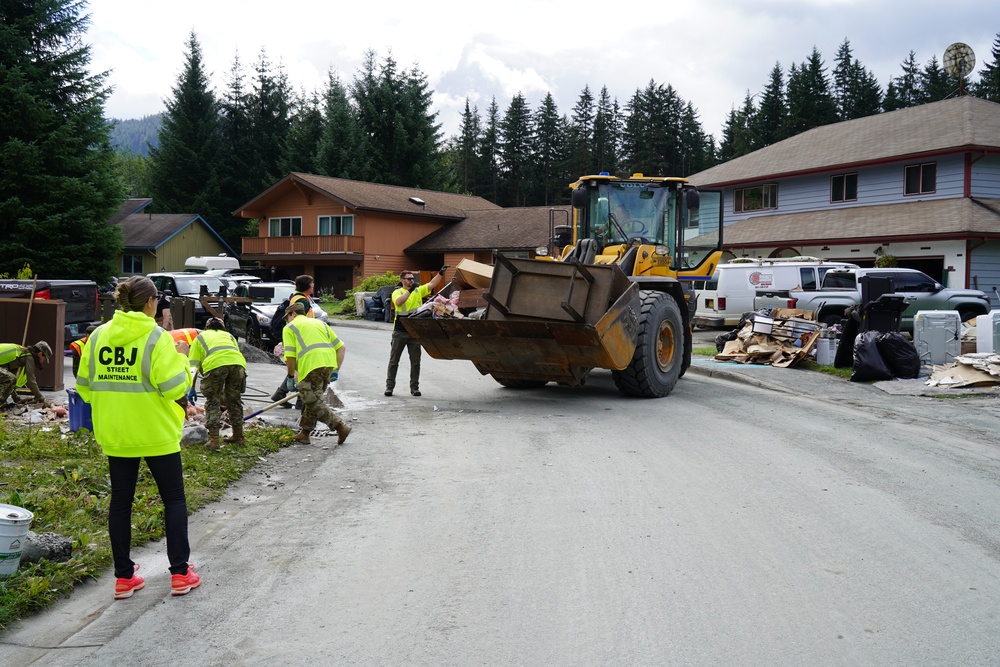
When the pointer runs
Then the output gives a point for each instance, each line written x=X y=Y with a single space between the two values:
x=711 y=51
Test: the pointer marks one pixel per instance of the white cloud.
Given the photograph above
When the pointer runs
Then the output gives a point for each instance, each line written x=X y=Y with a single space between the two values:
x=711 y=52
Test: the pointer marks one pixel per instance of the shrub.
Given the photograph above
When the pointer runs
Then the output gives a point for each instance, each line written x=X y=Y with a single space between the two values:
x=369 y=284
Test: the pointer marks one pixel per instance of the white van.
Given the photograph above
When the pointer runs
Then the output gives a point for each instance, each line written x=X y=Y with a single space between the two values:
x=729 y=294
x=201 y=264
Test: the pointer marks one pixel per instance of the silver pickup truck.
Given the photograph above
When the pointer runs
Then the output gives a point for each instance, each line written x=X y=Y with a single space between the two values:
x=841 y=289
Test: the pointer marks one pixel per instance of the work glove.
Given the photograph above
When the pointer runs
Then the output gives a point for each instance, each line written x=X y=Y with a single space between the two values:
x=333 y=376
x=443 y=269
x=290 y=385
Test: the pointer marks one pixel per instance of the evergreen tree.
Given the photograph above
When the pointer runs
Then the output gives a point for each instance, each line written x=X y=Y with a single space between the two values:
x=515 y=151
x=935 y=83
x=988 y=86
x=548 y=156
x=270 y=120
x=607 y=134
x=131 y=170
x=343 y=150
x=855 y=89
x=469 y=162
x=490 y=152
x=904 y=91
x=58 y=186
x=770 y=117
x=394 y=112
x=304 y=134
x=581 y=135
x=739 y=133
x=182 y=171
x=235 y=133
x=810 y=102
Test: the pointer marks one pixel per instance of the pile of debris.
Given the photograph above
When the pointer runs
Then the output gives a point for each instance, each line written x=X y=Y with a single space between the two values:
x=969 y=370
x=780 y=337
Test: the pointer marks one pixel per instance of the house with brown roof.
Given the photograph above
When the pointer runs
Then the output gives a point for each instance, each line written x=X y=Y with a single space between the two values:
x=162 y=241
x=340 y=231
x=921 y=184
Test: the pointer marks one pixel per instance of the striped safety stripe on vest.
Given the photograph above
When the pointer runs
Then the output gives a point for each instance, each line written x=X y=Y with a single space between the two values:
x=145 y=384
x=217 y=348
x=304 y=349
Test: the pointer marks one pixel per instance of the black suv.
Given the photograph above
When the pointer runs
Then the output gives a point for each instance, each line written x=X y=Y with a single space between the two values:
x=192 y=286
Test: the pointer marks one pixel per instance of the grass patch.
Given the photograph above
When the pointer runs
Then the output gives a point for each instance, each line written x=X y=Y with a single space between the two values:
x=63 y=480
x=704 y=351
x=844 y=373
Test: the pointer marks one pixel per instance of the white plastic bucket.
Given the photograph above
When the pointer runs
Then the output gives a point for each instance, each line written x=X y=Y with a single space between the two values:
x=826 y=351
x=14 y=525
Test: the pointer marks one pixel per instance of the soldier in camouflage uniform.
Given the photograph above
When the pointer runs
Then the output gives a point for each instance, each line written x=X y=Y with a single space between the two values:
x=217 y=357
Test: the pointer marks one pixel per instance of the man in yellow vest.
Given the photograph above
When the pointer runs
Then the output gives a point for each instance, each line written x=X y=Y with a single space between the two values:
x=18 y=366
x=407 y=299
x=216 y=356
x=312 y=350
x=304 y=286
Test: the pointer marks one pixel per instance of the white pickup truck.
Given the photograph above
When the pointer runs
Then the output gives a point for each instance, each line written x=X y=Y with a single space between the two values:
x=841 y=289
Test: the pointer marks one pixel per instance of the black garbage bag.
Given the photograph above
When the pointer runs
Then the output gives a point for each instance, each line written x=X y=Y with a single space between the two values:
x=844 y=358
x=722 y=339
x=868 y=364
x=899 y=354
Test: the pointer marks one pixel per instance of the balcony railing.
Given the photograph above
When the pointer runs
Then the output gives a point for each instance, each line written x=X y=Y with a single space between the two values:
x=302 y=245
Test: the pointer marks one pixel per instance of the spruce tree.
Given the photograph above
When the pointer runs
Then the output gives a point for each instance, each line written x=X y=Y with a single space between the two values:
x=581 y=135
x=988 y=86
x=548 y=156
x=769 y=121
x=935 y=83
x=59 y=185
x=516 y=133
x=183 y=169
x=304 y=134
x=904 y=91
x=810 y=102
x=343 y=150
x=468 y=161
x=607 y=134
x=490 y=152
x=269 y=105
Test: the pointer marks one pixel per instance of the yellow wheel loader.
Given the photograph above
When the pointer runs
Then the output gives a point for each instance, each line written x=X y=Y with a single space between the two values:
x=616 y=296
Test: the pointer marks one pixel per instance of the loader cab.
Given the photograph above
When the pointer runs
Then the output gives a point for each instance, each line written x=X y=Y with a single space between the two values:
x=677 y=227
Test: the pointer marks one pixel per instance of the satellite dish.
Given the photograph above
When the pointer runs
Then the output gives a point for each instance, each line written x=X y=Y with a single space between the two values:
x=959 y=60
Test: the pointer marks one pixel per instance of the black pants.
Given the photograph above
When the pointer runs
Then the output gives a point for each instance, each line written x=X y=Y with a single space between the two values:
x=169 y=478
x=402 y=340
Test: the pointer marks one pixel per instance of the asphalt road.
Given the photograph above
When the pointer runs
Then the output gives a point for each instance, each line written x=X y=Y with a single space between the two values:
x=735 y=523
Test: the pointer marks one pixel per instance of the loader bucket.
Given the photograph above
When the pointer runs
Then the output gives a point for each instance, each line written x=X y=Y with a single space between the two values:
x=546 y=322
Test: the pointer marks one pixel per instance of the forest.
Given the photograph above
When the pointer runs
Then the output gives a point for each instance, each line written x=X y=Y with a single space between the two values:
x=211 y=152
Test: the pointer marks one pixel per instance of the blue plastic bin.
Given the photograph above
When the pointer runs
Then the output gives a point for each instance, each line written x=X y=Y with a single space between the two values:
x=79 y=412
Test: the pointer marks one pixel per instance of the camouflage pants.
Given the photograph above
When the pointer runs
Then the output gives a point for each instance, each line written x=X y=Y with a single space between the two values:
x=311 y=390
x=7 y=383
x=224 y=386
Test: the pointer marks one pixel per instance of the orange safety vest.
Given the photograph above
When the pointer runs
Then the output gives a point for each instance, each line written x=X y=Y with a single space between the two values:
x=186 y=335
x=77 y=345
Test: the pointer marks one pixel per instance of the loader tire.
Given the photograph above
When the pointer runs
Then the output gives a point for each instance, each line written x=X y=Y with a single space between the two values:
x=659 y=354
x=521 y=384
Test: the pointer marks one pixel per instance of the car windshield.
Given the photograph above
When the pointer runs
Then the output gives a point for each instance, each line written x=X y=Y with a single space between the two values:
x=192 y=285
x=270 y=293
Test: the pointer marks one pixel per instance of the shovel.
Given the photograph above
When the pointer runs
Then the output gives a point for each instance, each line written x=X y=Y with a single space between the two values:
x=292 y=395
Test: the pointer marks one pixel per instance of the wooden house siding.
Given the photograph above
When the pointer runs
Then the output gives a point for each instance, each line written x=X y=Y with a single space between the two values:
x=984 y=270
x=192 y=241
x=985 y=177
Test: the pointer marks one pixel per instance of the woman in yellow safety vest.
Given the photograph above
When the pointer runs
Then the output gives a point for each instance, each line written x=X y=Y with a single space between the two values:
x=216 y=356
x=136 y=382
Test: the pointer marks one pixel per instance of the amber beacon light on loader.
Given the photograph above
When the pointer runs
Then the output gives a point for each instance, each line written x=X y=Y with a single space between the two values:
x=613 y=292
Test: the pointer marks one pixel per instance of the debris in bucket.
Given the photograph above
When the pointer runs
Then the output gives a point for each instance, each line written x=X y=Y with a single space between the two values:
x=781 y=337
x=968 y=370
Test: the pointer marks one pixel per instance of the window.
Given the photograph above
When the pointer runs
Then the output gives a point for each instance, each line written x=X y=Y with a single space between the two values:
x=913 y=281
x=920 y=179
x=285 y=227
x=132 y=264
x=844 y=187
x=807 y=278
x=755 y=199
x=336 y=224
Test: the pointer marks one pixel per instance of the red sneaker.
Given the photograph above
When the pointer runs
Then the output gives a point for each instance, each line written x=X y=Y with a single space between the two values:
x=181 y=584
x=125 y=587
